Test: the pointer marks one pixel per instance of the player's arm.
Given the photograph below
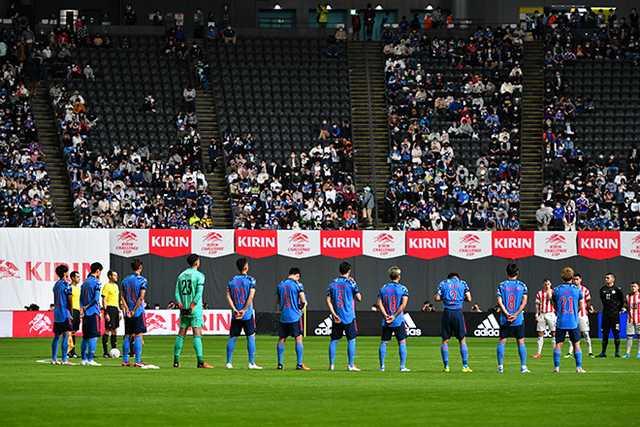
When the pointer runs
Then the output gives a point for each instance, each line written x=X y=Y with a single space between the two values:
x=252 y=294
x=467 y=296
x=523 y=304
x=143 y=292
x=403 y=306
x=336 y=318
x=303 y=300
x=178 y=296
x=381 y=308
x=230 y=302
x=69 y=298
x=502 y=307
x=124 y=306
x=277 y=302
x=620 y=296
x=438 y=296
x=198 y=295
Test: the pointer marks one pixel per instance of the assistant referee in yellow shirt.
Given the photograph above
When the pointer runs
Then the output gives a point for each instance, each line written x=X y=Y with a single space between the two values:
x=110 y=301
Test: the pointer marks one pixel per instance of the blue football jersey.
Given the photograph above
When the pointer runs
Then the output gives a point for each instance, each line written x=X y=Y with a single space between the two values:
x=61 y=292
x=566 y=299
x=239 y=288
x=288 y=292
x=342 y=292
x=512 y=293
x=90 y=296
x=452 y=292
x=132 y=286
x=391 y=296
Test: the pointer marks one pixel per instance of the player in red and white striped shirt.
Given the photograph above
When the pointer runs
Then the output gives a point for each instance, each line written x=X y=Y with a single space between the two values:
x=583 y=314
x=632 y=304
x=545 y=315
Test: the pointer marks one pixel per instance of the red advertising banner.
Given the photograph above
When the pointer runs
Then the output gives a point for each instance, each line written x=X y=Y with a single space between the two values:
x=341 y=243
x=512 y=244
x=169 y=243
x=427 y=244
x=256 y=243
x=599 y=244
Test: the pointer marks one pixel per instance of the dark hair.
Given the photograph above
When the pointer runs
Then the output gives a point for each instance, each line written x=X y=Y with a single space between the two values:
x=344 y=268
x=452 y=275
x=293 y=271
x=611 y=274
x=191 y=259
x=577 y=275
x=74 y=274
x=95 y=267
x=241 y=263
x=61 y=270
x=512 y=270
x=136 y=264
x=110 y=273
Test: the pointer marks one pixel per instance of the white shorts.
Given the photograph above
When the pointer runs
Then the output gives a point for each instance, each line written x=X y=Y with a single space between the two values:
x=583 y=322
x=633 y=329
x=546 y=320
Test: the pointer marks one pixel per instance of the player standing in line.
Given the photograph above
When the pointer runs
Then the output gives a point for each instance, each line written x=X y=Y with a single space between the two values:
x=567 y=298
x=633 y=319
x=75 y=311
x=134 y=289
x=545 y=315
x=612 y=299
x=61 y=315
x=110 y=300
x=189 y=291
x=453 y=292
x=583 y=317
x=240 y=293
x=90 y=307
x=513 y=292
x=392 y=301
x=291 y=301
x=342 y=294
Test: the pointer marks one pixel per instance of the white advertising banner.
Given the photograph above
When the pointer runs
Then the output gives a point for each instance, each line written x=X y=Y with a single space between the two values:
x=6 y=324
x=29 y=257
x=555 y=244
x=167 y=322
x=630 y=244
x=470 y=244
x=129 y=243
x=212 y=243
x=299 y=243
x=383 y=244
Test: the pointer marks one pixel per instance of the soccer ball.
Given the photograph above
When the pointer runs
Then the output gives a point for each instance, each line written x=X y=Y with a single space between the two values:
x=114 y=353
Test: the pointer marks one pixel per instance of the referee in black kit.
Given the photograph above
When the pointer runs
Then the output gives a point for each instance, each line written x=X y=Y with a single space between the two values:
x=612 y=303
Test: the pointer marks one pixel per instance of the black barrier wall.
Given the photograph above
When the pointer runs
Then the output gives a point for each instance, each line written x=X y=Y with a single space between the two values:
x=420 y=276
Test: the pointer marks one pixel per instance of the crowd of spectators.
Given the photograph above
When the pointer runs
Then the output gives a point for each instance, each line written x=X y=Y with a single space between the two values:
x=582 y=191
x=311 y=190
x=445 y=95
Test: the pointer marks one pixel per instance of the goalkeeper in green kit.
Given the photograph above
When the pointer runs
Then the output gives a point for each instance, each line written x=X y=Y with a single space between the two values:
x=189 y=288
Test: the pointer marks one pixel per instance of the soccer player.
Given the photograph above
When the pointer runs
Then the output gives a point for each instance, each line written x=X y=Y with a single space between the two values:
x=342 y=294
x=61 y=315
x=612 y=303
x=90 y=308
x=583 y=315
x=567 y=298
x=453 y=292
x=240 y=293
x=75 y=311
x=134 y=289
x=545 y=315
x=291 y=301
x=392 y=300
x=633 y=319
x=110 y=300
x=189 y=290
x=512 y=300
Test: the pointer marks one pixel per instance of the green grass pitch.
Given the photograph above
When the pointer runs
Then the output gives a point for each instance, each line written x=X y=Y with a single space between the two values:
x=34 y=394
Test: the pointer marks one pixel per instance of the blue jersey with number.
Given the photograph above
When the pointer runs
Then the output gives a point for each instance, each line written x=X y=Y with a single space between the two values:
x=239 y=288
x=391 y=296
x=512 y=293
x=288 y=292
x=61 y=292
x=452 y=292
x=90 y=296
x=132 y=287
x=342 y=291
x=566 y=299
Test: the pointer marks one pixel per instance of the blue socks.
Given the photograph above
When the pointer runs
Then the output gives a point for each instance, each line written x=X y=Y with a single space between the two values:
x=280 y=348
x=444 y=352
x=522 y=352
x=382 y=352
x=464 y=352
x=578 y=356
x=93 y=342
x=231 y=346
x=65 y=347
x=500 y=353
x=332 y=352
x=54 y=347
x=126 y=349
x=556 y=357
x=299 y=351
x=137 y=348
x=84 y=348
x=403 y=354
x=351 y=352
x=251 y=349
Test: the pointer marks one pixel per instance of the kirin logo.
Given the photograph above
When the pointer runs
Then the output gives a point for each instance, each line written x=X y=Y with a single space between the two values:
x=213 y=237
x=8 y=270
x=155 y=321
x=127 y=236
x=298 y=238
x=40 y=324
x=385 y=238
x=556 y=239
x=470 y=239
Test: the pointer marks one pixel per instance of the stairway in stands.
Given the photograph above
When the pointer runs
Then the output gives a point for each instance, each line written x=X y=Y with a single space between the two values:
x=531 y=150
x=60 y=185
x=369 y=121
x=208 y=127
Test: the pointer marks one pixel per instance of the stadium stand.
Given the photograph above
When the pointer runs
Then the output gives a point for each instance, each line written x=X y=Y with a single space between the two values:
x=454 y=118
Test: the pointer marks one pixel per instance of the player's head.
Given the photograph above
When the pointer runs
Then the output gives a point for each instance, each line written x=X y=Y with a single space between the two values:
x=242 y=264
x=395 y=273
x=61 y=271
x=193 y=260
x=546 y=283
x=96 y=269
x=609 y=278
x=453 y=275
x=75 y=277
x=112 y=276
x=345 y=268
x=566 y=274
x=136 y=266
x=294 y=273
x=512 y=271
x=577 y=279
x=634 y=287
